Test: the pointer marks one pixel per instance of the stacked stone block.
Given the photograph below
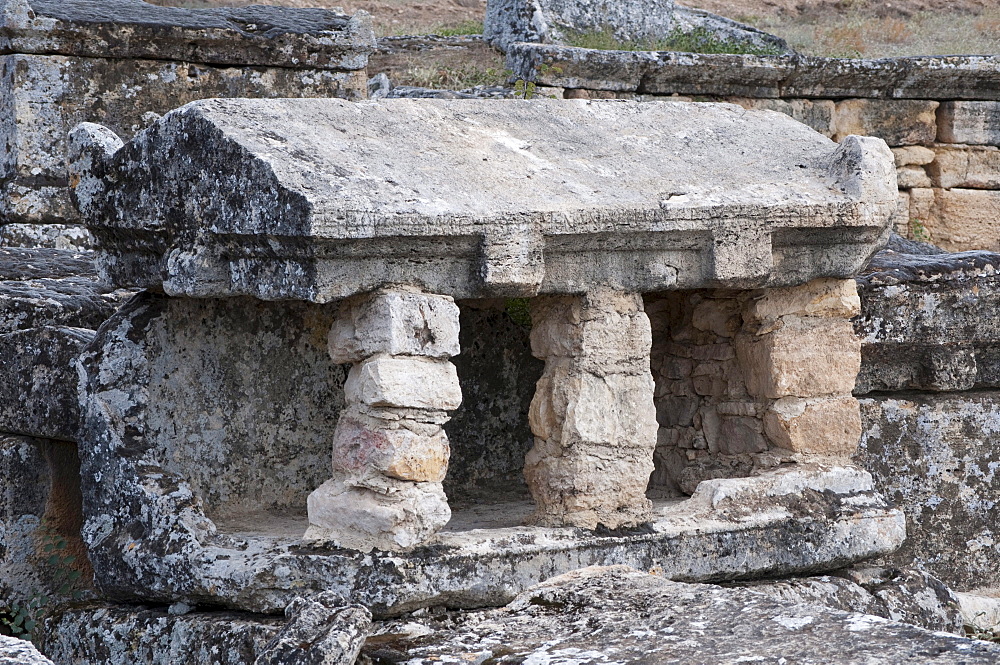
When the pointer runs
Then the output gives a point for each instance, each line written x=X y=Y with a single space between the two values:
x=390 y=451
x=592 y=415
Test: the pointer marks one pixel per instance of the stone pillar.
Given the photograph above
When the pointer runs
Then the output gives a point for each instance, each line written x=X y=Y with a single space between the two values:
x=390 y=452
x=799 y=352
x=592 y=415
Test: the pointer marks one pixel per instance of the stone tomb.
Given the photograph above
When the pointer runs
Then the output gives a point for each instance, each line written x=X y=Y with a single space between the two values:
x=283 y=243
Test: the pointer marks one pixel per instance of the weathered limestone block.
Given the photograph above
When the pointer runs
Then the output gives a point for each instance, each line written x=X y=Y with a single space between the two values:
x=321 y=630
x=397 y=323
x=558 y=21
x=782 y=76
x=934 y=455
x=898 y=122
x=929 y=321
x=592 y=415
x=970 y=167
x=805 y=357
x=829 y=426
x=901 y=220
x=971 y=122
x=816 y=113
x=19 y=652
x=909 y=177
x=390 y=453
x=961 y=219
x=672 y=229
x=127 y=635
x=914 y=155
x=905 y=595
x=619 y=614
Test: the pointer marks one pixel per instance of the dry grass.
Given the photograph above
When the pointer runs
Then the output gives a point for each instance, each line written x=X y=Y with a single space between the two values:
x=860 y=31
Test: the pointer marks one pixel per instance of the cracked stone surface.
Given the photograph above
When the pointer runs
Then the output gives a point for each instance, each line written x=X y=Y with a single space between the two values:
x=694 y=195
x=623 y=615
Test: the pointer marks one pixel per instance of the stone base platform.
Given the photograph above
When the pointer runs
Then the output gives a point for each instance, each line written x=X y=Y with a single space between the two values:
x=782 y=523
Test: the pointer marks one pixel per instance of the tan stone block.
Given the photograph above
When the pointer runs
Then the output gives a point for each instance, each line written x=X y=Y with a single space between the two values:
x=922 y=212
x=913 y=155
x=971 y=167
x=972 y=122
x=399 y=452
x=965 y=219
x=898 y=122
x=901 y=218
x=718 y=316
x=806 y=357
x=408 y=382
x=816 y=113
x=819 y=426
x=909 y=177
x=824 y=297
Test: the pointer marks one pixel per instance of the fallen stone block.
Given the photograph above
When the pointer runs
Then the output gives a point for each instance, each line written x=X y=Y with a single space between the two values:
x=597 y=615
x=19 y=652
x=126 y=635
x=321 y=630
x=905 y=595
x=971 y=122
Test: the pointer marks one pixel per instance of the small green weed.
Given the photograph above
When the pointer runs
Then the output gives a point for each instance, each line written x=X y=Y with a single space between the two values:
x=699 y=40
x=23 y=619
x=527 y=89
x=919 y=231
x=518 y=311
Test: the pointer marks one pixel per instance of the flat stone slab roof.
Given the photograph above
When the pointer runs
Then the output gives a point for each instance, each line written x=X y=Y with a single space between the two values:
x=319 y=199
x=255 y=35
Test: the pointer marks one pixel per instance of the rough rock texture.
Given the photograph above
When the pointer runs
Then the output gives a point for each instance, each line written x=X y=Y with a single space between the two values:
x=555 y=21
x=49 y=301
x=957 y=77
x=934 y=455
x=390 y=452
x=959 y=219
x=321 y=630
x=929 y=404
x=52 y=236
x=128 y=29
x=124 y=635
x=970 y=167
x=969 y=122
x=906 y=595
x=602 y=615
x=42 y=97
x=593 y=415
x=898 y=122
x=707 y=214
x=18 y=652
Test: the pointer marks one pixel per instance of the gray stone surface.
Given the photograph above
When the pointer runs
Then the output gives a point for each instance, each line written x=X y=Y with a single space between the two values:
x=934 y=455
x=663 y=73
x=976 y=123
x=47 y=95
x=38 y=391
x=688 y=205
x=53 y=236
x=257 y=35
x=557 y=21
x=623 y=615
x=18 y=652
x=171 y=463
x=321 y=630
x=135 y=635
x=929 y=322
x=906 y=595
